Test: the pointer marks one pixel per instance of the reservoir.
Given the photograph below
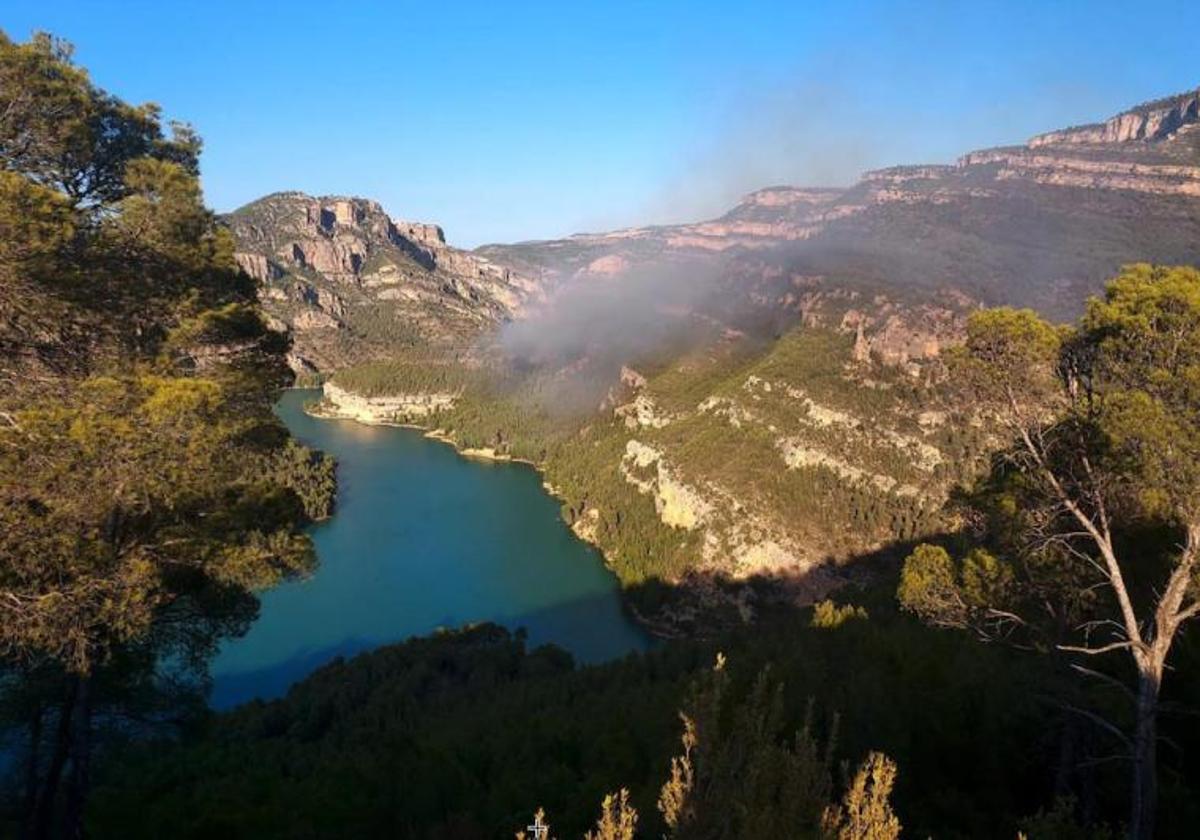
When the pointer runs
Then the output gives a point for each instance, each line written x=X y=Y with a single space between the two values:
x=423 y=538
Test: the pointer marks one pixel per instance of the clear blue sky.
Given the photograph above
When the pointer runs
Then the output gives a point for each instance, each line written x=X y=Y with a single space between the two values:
x=508 y=120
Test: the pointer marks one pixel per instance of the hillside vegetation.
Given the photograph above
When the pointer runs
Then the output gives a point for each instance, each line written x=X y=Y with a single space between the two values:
x=146 y=489
x=466 y=734
x=735 y=461
x=925 y=567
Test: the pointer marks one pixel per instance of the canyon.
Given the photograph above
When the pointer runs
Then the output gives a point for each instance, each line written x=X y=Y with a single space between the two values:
x=350 y=282
x=764 y=398
x=1041 y=224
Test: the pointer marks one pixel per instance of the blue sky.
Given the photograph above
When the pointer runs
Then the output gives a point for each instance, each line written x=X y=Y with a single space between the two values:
x=505 y=121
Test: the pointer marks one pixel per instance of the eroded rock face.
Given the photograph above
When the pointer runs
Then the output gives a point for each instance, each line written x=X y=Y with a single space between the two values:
x=338 y=237
x=314 y=319
x=788 y=197
x=321 y=261
x=1152 y=121
x=258 y=266
x=422 y=233
x=607 y=265
x=1041 y=224
x=300 y=365
x=393 y=408
x=898 y=336
x=339 y=259
x=643 y=412
x=678 y=504
x=587 y=526
x=1059 y=166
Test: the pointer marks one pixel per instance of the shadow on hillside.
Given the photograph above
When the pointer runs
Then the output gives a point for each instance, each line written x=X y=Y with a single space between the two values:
x=273 y=681
x=591 y=629
x=433 y=721
x=702 y=606
x=706 y=604
x=421 y=726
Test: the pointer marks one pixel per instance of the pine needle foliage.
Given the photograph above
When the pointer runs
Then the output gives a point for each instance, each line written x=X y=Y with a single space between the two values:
x=618 y=818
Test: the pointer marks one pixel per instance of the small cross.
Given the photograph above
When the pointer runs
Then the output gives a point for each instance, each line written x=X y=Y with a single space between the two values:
x=539 y=828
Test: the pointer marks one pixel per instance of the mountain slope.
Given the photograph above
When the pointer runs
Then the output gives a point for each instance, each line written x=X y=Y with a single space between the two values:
x=353 y=283
x=758 y=397
x=1038 y=225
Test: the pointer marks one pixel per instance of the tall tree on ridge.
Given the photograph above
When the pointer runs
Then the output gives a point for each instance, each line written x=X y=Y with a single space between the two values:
x=1106 y=427
x=140 y=503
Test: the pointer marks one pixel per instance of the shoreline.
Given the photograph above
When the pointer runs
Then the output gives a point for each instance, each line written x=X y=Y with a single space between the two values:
x=476 y=454
x=657 y=630
x=657 y=626
x=434 y=433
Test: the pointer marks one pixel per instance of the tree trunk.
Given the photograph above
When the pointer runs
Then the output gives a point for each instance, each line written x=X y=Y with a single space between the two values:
x=81 y=744
x=41 y=821
x=1145 y=769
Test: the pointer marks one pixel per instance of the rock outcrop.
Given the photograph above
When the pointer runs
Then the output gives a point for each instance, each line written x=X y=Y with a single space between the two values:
x=345 y=240
x=331 y=262
x=1156 y=120
x=679 y=505
x=1041 y=224
x=389 y=409
x=897 y=336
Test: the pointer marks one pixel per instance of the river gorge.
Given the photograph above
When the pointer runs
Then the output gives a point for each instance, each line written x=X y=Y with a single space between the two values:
x=423 y=538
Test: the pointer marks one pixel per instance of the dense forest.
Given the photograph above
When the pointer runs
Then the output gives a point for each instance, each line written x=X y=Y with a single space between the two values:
x=1022 y=662
x=468 y=733
x=146 y=489
x=530 y=414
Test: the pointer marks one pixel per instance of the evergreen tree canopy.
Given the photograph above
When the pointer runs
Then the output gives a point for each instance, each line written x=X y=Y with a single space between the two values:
x=1094 y=511
x=146 y=489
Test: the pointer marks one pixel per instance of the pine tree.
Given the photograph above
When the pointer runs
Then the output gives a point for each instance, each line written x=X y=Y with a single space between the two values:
x=740 y=775
x=1105 y=443
x=618 y=819
x=865 y=812
x=137 y=508
x=673 y=798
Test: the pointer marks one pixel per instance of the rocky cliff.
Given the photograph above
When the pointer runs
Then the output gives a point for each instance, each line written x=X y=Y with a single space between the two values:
x=413 y=408
x=1156 y=120
x=1041 y=224
x=351 y=282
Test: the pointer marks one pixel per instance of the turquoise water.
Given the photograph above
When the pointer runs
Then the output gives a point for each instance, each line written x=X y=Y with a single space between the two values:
x=423 y=538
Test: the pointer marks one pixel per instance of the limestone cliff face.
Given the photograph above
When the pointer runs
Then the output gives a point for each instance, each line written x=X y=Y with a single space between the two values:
x=678 y=504
x=348 y=240
x=337 y=262
x=258 y=267
x=1067 y=166
x=392 y=408
x=1153 y=121
x=1151 y=149
x=904 y=336
x=1041 y=224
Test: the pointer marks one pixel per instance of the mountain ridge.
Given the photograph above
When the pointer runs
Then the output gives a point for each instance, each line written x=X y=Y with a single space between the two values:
x=789 y=416
x=1128 y=191
x=1154 y=119
x=350 y=281
x=1040 y=224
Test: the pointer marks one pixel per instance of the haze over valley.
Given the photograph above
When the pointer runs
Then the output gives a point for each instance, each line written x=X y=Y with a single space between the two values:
x=805 y=326
x=855 y=511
